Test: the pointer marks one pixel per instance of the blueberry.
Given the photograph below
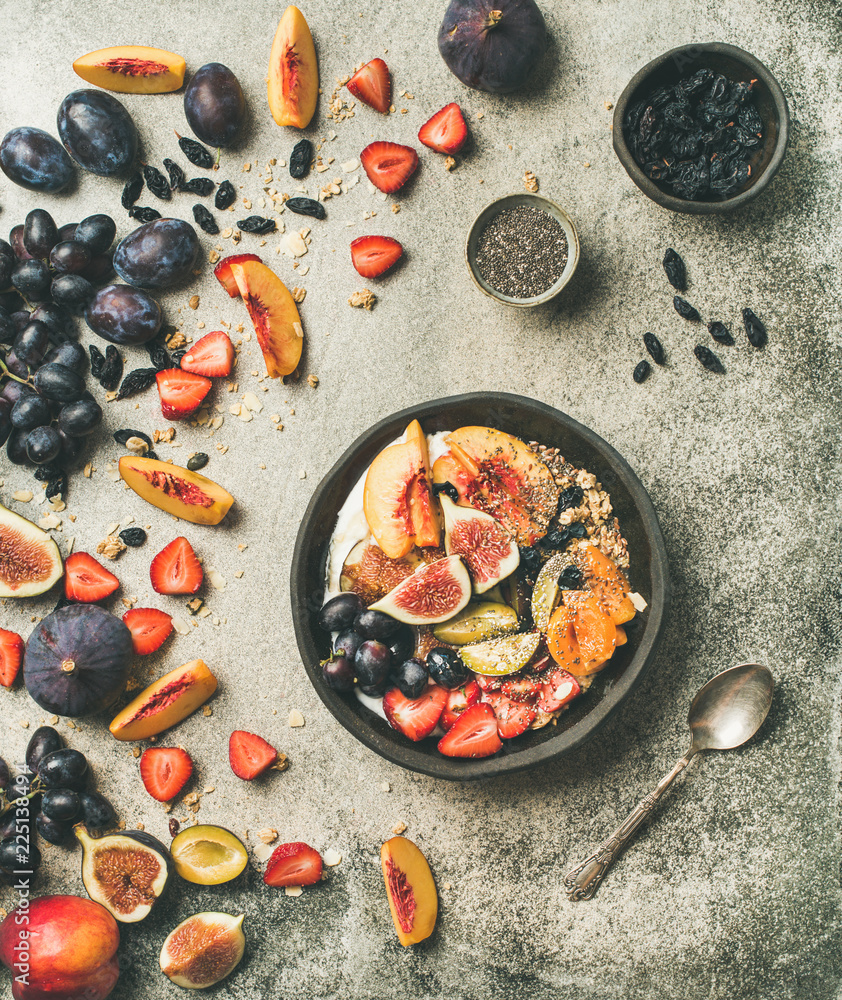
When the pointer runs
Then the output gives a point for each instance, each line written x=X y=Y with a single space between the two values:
x=530 y=559
x=372 y=663
x=446 y=667
x=410 y=677
x=339 y=612
x=376 y=625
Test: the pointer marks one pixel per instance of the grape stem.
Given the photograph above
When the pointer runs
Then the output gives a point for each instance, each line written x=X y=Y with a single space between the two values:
x=5 y=371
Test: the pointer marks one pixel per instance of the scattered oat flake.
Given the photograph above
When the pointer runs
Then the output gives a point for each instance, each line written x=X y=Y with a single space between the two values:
x=449 y=163
x=111 y=547
x=22 y=496
x=207 y=711
x=217 y=579
x=313 y=380
x=608 y=105
x=245 y=415
x=296 y=719
x=298 y=294
x=385 y=786
x=638 y=601
x=363 y=300
x=399 y=828
x=181 y=626
x=204 y=612
x=252 y=402
x=86 y=472
x=331 y=858
x=49 y=521
x=194 y=302
x=395 y=209
x=267 y=835
x=530 y=181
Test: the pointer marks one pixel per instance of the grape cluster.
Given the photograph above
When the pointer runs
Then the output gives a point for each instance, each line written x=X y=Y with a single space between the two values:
x=45 y=409
x=49 y=796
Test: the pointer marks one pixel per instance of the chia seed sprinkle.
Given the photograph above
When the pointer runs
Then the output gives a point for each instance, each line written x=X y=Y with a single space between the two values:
x=522 y=252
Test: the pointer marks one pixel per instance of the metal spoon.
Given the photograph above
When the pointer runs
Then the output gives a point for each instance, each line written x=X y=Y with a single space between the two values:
x=725 y=713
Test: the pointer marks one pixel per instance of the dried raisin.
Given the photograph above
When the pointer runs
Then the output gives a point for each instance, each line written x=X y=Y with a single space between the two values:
x=201 y=186
x=133 y=537
x=197 y=461
x=256 y=224
x=306 y=206
x=144 y=214
x=708 y=359
x=675 y=270
x=655 y=348
x=136 y=381
x=685 y=310
x=177 y=177
x=719 y=331
x=642 y=371
x=132 y=189
x=112 y=370
x=97 y=360
x=755 y=330
x=122 y=436
x=225 y=196
x=572 y=496
x=57 y=487
x=156 y=182
x=300 y=159
x=204 y=220
x=196 y=153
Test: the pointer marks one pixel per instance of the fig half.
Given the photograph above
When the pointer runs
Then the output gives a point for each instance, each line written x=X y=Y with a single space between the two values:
x=125 y=872
x=203 y=949
x=29 y=559
x=489 y=551
x=435 y=592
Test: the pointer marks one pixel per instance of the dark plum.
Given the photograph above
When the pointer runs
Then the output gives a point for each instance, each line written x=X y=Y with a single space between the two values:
x=45 y=740
x=214 y=105
x=124 y=315
x=348 y=642
x=372 y=663
x=65 y=768
x=40 y=233
x=402 y=644
x=97 y=811
x=97 y=232
x=376 y=625
x=339 y=673
x=100 y=268
x=16 y=447
x=32 y=279
x=80 y=418
x=59 y=383
x=58 y=319
x=16 y=240
x=339 y=612
x=35 y=160
x=446 y=667
x=410 y=677
x=72 y=291
x=52 y=830
x=43 y=445
x=71 y=355
x=97 y=131
x=70 y=257
x=67 y=231
x=158 y=254
x=31 y=411
x=32 y=343
x=61 y=804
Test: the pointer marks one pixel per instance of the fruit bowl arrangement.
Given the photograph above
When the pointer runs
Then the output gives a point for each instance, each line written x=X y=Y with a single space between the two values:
x=527 y=420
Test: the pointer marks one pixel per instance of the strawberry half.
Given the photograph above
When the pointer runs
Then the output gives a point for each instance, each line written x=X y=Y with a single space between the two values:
x=374 y=255
x=513 y=717
x=458 y=700
x=372 y=85
x=11 y=655
x=213 y=356
x=293 y=864
x=417 y=717
x=87 y=580
x=222 y=271
x=165 y=771
x=176 y=570
x=521 y=688
x=558 y=689
x=149 y=628
x=446 y=131
x=181 y=392
x=388 y=164
x=250 y=755
x=488 y=683
x=473 y=735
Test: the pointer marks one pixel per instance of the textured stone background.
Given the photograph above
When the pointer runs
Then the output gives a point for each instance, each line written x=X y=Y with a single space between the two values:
x=733 y=890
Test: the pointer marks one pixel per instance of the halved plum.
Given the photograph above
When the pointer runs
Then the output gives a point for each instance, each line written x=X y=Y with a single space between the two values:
x=398 y=503
x=501 y=476
x=274 y=314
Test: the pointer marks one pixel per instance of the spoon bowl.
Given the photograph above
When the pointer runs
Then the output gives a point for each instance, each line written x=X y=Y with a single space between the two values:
x=731 y=707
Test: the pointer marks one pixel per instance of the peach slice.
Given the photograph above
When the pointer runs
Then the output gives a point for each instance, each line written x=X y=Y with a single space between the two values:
x=501 y=476
x=132 y=69
x=165 y=703
x=411 y=889
x=293 y=81
x=179 y=492
x=397 y=500
x=222 y=271
x=274 y=314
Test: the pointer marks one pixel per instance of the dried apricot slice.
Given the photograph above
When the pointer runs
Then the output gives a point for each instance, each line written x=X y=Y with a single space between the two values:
x=602 y=576
x=581 y=635
x=561 y=640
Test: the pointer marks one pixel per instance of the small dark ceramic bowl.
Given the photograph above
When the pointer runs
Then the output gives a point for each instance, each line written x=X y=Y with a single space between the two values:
x=737 y=65
x=649 y=575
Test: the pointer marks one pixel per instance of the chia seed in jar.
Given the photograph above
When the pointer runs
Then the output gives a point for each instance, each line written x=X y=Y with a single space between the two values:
x=522 y=252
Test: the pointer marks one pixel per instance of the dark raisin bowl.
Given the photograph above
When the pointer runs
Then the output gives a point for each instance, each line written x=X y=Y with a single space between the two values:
x=737 y=66
x=529 y=420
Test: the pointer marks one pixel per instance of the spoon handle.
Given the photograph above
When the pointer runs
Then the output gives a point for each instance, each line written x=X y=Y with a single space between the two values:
x=582 y=881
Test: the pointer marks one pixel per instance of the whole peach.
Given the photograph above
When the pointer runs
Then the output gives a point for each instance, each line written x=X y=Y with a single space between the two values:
x=60 y=948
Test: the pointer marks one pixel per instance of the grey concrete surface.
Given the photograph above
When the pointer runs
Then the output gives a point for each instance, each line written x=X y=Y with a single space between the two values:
x=732 y=891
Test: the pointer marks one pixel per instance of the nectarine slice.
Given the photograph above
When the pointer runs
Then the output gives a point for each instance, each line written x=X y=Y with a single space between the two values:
x=274 y=314
x=132 y=69
x=293 y=82
x=501 y=476
x=397 y=501
x=411 y=889
x=608 y=582
x=165 y=703
x=179 y=492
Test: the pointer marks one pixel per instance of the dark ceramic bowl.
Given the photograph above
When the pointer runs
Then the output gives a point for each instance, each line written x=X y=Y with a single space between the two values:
x=737 y=65
x=531 y=421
